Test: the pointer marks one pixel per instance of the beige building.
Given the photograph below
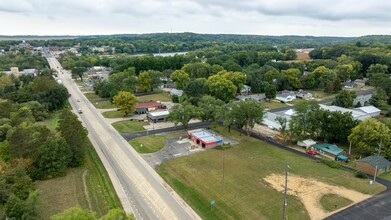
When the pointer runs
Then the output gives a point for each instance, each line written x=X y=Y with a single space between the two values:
x=15 y=71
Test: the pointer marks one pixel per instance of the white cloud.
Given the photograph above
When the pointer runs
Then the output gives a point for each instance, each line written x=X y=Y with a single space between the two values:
x=271 y=17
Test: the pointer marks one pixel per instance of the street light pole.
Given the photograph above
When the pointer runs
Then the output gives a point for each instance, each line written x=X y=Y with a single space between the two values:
x=377 y=161
x=285 y=191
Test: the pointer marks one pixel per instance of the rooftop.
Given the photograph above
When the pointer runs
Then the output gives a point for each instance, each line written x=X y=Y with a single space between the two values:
x=151 y=104
x=329 y=148
x=160 y=113
x=369 y=109
x=204 y=135
x=373 y=160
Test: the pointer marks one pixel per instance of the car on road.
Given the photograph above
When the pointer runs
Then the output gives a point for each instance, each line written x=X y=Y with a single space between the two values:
x=80 y=111
x=312 y=152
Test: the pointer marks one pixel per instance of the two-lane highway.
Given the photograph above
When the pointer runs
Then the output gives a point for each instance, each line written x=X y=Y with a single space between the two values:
x=141 y=190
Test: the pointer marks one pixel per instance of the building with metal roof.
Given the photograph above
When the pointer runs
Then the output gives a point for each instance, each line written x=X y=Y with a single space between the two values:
x=369 y=164
x=205 y=138
x=157 y=116
x=329 y=149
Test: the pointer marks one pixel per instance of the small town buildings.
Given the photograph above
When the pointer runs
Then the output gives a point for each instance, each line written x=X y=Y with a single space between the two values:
x=256 y=97
x=362 y=99
x=301 y=94
x=177 y=92
x=270 y=120
x=144 y=107
x=360 y=82
x=369 y=110
x=328 y=149
x=356 y=114
x=204 y=138
x=286 y=96
x=157 y=116
x=369 y=164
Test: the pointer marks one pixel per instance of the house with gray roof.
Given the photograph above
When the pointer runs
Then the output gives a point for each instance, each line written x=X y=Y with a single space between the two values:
x=373 y=164
x=286 y=96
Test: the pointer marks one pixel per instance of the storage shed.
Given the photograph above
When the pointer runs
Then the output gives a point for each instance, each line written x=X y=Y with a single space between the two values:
x=368 y=165
x=157 y=116
x=205 y=138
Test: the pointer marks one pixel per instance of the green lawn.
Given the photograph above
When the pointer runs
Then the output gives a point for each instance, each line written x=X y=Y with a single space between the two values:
x=318 y=94
x=153 y=143
x=92 y=96
x=163 y=97
x=243 y=194
x=51 y=122
x=332 y=202
x=274 y=104
x=62 y=193
x=113 y=114
x=129 y=126
x=104 y=104
x=386 y=176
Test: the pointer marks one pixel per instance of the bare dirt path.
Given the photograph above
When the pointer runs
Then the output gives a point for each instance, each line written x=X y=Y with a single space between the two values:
x=309 y=191
x=86 y=190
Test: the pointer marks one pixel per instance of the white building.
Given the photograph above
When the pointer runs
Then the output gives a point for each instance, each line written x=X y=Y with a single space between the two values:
x=286 y=96
x=369 y=110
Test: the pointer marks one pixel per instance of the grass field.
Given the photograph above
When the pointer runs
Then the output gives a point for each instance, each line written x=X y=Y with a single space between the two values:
x=386 y=176
x=163 y=97
x=129 y=126
x=92 y=96
x=51 y=122
x=113 y=114
x=318 y=94
x=243 y=194
x=104 y=104
x=274 y=104
x=153 y=143
x=61 y=193
x=332 y=202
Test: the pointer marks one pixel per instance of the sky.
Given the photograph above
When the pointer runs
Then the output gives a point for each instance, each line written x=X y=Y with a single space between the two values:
x=260 y=17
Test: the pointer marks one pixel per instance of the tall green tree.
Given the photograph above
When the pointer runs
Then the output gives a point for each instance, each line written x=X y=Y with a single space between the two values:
x=74 y=134
x=54 y=157
x=345 y=99
x=305 y=121
x=221 y=88
x=183 y=113
x=126 y=102
x=336 y=126
x=180 y=79
x=197 y=88
x=369 y=135
x=379 y=98
x=209 y=107
x=144 y=81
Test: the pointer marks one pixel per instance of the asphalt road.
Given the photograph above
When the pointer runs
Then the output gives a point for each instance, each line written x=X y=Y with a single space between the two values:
x=141 y=190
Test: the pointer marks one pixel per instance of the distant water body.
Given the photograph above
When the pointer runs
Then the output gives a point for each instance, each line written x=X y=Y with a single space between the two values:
x=161 y=54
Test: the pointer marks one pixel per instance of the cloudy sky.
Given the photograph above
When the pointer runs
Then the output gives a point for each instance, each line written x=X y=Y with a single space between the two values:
x=263 y=17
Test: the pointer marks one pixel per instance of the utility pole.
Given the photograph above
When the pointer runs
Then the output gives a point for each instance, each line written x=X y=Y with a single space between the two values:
x=377 y=161
x=285 y=191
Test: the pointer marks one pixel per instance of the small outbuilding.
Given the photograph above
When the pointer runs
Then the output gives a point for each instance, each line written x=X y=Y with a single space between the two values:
x=177 y=92
x=157 y=116
x=205 y=138
x=369 y=164
x=306 y=143
x=369 y=110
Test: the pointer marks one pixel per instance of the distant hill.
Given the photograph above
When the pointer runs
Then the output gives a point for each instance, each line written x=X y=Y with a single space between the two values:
x=35 y=37
x=374 y=39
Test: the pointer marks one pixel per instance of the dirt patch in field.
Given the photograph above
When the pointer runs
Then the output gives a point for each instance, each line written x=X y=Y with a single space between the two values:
x=309 y=191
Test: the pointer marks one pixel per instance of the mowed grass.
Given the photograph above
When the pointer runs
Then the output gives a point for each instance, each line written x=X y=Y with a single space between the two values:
x=113 y=114
x=386 y=176
x=318 y=94
x=274 y=104
x=104 y=104
x=153 y=143
x=163 y=97
x=91 y=96
x=332 y=202
x=129 y=126
x=243 y=194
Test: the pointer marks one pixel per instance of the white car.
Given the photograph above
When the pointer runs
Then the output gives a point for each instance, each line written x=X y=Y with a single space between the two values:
x=80 y=111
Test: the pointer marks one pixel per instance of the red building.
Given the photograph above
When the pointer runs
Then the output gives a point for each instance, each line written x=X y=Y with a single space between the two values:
x=205 y=138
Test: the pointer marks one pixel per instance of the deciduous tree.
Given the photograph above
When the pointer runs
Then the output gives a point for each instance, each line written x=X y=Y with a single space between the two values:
x=345 y=99
x=126 y=102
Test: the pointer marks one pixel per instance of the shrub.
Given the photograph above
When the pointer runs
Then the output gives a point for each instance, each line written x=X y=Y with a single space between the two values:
x=331 y=163
x=175 y=98
x=360 y=175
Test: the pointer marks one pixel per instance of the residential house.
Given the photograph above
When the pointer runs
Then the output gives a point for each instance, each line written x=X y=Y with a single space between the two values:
x=245 y=89
x=362 y=99
x=304 y=95
x=177 y=92
x=349 y=85
x=328 y=149
x=369 y=164
x=286 y=96
x=360 y=82
x=256 y=97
